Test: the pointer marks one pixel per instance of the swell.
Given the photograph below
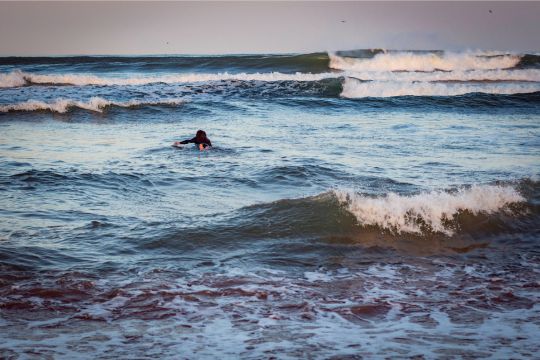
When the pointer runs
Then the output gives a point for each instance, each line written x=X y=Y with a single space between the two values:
x=374 y=59
x=313 y=62
x=422 y=213
x=322 y=96
x=108 y=180
x=450 y=218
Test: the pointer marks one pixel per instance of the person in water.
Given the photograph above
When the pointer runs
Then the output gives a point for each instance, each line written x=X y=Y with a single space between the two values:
x=200 y=140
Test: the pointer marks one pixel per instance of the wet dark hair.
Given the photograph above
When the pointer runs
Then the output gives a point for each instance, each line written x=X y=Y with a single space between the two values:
x=201 y=133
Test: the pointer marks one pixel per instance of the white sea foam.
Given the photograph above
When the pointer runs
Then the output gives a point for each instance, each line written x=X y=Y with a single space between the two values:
x=407 y=73
x=399 y=213
x=353 y=88
x=530 y=75
x=410 y=61
x=20 y=78
x=94 y=104
x=12 y=79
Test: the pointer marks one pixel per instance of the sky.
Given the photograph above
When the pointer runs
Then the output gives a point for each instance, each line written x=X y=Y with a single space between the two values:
x=127 y=28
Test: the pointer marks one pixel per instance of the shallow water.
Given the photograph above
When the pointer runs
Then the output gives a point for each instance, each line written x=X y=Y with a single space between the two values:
x=322 y=224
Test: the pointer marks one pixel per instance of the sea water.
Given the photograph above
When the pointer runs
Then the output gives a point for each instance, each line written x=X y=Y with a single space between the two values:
x=355 y=204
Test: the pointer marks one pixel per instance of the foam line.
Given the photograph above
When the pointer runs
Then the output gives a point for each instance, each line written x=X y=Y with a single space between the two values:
x=529 y=75
x=19 y=78
x=353 y=88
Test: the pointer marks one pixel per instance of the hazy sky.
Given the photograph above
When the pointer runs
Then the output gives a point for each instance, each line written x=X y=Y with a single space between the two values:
x=58 y=28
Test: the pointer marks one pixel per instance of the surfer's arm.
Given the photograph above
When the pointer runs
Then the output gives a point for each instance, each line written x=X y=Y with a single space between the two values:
x=187 y=141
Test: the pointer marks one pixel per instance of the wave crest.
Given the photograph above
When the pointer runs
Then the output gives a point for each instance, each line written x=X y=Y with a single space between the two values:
x=434 y=210
x=410 y=61
x=93 y=104
x=525 y=75
x=19 y=78
x=353 y=88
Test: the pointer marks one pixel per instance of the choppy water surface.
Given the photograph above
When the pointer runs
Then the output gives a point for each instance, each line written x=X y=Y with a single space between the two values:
x=355 y=205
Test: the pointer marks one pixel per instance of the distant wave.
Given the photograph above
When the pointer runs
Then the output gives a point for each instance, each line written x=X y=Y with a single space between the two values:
x=19 y=78
x=414 y=61
x=290 y=63
x=434 y=210
x=375 y=59
x=356 y=74
x=353 y=88
x=529 y=75
x=94 y=104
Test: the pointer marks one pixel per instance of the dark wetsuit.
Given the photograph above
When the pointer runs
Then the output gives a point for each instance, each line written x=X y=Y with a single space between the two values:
x=205 y=141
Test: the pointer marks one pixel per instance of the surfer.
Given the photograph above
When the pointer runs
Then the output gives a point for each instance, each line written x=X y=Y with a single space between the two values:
x=200 y=140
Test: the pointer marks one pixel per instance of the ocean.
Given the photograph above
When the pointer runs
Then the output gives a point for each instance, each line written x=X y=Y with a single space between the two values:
x=356 y=204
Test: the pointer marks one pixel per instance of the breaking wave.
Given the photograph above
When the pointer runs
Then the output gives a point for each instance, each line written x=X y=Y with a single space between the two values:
x=434 y=211
x=343 y=214
x=430 y=61
x=19 y=78
x=353 y=88
x=353 y=74
x=524 y=75
x=97 y=104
